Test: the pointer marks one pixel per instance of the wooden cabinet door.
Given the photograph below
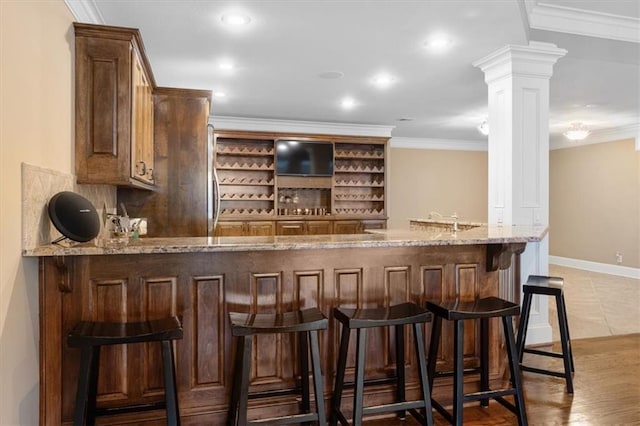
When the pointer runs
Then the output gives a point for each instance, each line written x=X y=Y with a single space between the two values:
x=142 y=161
x=229 y=229
x=374 y=224
x=347 y=227
x=290 y=227
x=319 y=227
x=260 y=228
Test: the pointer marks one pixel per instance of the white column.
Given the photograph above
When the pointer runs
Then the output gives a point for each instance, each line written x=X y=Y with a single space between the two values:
x=518 y=81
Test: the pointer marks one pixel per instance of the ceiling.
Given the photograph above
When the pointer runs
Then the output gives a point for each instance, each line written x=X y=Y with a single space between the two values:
x=280 y=55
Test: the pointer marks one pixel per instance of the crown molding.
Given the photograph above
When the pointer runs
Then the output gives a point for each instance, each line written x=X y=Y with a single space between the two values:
x=293 y=126
x=550 y=17
x=438 y=144
x=85 y=11
x=601 y=136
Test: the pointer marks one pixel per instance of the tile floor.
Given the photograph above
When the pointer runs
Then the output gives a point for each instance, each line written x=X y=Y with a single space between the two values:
x=597 y=304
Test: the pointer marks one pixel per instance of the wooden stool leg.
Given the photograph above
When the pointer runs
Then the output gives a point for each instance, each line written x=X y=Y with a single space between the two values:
x=524 y=323
x=170 y=389
x=566 y=320
x=240 y=393
x=358 y=394
x=304 y=371
x=422 y=372
x=436 y=329
x=514 y=368
x=400 y=376
x=82 y=391
x=317 y=377
x=564 y=340
x=458 y=372
x=232 y=418
x=339 y=383
x=93 y=385
x=484 y=358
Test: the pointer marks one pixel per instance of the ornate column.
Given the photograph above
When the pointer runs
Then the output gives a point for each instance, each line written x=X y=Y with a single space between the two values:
x=518 y=81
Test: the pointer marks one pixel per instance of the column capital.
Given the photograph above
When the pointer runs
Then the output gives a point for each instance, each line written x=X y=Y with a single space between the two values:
x=535 y=60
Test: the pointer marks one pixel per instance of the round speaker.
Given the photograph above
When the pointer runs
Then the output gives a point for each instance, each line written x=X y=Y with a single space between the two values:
x=74 y=216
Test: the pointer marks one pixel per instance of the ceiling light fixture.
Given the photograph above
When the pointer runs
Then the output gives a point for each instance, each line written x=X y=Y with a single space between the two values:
x=348 y=103
x=484 y=127
x=219 y=95
x=226 y=66
x=383 y=81
x=439 y=43
x=577 y=132
x=235 y=19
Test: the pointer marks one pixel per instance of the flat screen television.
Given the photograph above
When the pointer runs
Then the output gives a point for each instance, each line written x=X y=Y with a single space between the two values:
x=299 y=158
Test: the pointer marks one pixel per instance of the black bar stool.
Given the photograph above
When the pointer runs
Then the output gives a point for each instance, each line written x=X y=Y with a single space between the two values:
x=361 y=320
x=306 y=323
x=91 y=336
x=548 y=286
x=482 y=309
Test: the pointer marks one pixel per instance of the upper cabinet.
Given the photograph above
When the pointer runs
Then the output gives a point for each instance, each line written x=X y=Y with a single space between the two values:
x=114 y=107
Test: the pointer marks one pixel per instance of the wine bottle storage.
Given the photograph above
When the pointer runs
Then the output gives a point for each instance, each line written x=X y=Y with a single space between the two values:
x=250 y=188
x=359 y=212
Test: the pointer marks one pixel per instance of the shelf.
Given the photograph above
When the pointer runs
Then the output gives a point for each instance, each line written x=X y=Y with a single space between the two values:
x=246 y=181
x=245 y=167
x=244 y=151
x=363 y=212
x=359 y=197
x=359 y=169
x=360 y=155
x=357 y=184
x=231 y=213
x=246 y=197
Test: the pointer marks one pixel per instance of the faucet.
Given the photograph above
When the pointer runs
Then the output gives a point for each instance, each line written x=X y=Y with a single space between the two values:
x=454 y=216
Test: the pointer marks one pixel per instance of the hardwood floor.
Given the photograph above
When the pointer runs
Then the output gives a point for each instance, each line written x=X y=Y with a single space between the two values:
x=606 y=389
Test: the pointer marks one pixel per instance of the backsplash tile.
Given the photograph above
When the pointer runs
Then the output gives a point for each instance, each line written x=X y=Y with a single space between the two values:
x=38 y=186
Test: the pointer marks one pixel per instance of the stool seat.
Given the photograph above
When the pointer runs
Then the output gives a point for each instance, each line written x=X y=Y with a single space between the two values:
x=480 y=309
x=404 y=313
x=90 y=336
x=243 y=324
x=305 y=323
x=95 y=333
x=546 y=286
x=487 y=307
x=361 y=320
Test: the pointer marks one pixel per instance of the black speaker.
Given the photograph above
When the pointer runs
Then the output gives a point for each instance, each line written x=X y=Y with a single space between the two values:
x=74 y=216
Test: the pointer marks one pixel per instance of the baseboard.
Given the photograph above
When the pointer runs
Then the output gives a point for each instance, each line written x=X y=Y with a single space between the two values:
x=538 y=334
x=604 y=268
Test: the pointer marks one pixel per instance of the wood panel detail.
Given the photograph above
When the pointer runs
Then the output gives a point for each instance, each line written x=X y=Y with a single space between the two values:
x=266 y=297
x=208 y=328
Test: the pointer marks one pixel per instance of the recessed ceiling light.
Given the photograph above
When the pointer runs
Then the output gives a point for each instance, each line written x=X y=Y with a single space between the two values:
x=235 y=19
x=331 y=75
x=439 y=43
x=348 y=103
x=226 y=66
x=383 y=81
x=219 y=95
x=577 y=132
x=405 y=119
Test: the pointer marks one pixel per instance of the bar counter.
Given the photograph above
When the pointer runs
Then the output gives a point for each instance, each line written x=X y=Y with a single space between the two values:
x=201 y=280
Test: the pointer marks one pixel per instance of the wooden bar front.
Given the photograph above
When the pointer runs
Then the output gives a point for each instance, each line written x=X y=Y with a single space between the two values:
x=201 y=288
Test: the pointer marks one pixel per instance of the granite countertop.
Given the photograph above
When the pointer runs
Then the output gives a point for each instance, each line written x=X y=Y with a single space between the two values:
x=380 y=238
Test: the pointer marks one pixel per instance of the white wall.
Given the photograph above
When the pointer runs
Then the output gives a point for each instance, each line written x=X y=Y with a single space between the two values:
x=36 y=127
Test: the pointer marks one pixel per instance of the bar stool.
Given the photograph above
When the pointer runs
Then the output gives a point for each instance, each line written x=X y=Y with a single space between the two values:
x=361 y=320
x=306 y=324
x=90 y=336
x=482 y=309
x=548 y=286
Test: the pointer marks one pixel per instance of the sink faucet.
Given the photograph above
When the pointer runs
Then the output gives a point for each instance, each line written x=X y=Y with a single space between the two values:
x=454 y=216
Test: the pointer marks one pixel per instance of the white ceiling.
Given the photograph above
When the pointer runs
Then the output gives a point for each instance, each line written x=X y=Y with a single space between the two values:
x=280 y=54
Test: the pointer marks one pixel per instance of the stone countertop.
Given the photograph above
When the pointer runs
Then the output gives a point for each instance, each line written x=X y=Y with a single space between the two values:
x=383 y=238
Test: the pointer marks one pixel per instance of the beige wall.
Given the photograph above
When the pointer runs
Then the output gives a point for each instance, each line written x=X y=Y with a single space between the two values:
x=421 y=181
x=36 y=113
x=595 y=203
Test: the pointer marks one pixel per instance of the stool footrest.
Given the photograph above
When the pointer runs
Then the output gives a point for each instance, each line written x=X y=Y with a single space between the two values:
x=477 y=396
x=543 y=353
x=273 y=393
x=443 y=411
x=394 y=406
x=542 y=371
x=372 y=382
x=110 y=411
x=508 y=404
x=292 y=419
x=466 y=371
